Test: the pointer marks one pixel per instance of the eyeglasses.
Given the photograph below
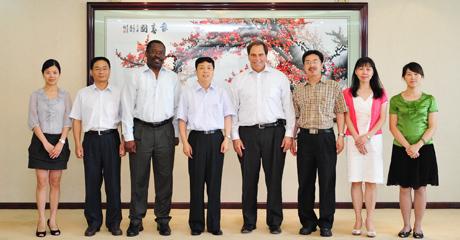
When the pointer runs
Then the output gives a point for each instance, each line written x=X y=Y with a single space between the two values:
x=314 y=62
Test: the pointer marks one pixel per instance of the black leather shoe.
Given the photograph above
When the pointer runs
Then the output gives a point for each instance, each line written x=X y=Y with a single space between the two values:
x=53 y=232
x=133 y=230
x=275 y=230
x=164 y=229
x=217 y=232
x=418 y=235
x=325 y=232
x=91 y=231
x=247 y=229
x=116 y=231
x=196 y=232
x=307 y=230
x=403 y=234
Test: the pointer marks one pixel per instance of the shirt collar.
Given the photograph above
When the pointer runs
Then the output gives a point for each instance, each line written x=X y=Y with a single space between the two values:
x=109 y=87
x=147 y=69
x=322 y=80
x=198 y=87
x=266 y=69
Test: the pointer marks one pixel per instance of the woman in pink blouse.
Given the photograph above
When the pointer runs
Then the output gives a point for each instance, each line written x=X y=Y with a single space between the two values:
x=367 y=104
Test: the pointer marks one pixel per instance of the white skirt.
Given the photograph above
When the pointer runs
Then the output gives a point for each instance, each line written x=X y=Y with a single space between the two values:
x=369 y=167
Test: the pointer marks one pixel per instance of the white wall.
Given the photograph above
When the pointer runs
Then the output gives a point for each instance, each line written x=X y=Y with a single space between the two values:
x=399 y=32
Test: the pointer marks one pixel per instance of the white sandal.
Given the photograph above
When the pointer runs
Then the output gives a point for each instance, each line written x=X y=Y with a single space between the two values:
x=371 y=234
x=356 y=232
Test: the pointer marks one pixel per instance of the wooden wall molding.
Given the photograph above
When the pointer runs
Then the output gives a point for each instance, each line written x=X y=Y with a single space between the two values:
x=228 y=205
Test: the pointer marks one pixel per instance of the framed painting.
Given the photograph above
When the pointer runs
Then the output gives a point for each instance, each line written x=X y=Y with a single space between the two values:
x=120 y=32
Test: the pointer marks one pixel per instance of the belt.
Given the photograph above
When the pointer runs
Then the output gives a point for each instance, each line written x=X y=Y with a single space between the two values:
x=153 y=124
x=109 y=131
x=315 y=131
x=207 y=132
x=279 y=122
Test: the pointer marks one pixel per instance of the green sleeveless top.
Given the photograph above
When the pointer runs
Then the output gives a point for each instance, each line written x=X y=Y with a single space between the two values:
x=413 y=116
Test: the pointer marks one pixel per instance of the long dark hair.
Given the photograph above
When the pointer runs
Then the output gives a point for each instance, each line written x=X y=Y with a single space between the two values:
x=375 y=83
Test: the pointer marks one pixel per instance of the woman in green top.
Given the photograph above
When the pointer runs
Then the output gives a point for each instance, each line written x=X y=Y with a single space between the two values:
x=413 y=159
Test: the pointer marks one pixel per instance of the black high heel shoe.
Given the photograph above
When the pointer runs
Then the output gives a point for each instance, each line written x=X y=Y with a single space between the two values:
x=40 y=234
x=418 y=235
x=53 y=232
x=403 y=234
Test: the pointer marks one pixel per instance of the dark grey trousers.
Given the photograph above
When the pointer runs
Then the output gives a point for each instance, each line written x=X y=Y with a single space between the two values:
x=154 y=145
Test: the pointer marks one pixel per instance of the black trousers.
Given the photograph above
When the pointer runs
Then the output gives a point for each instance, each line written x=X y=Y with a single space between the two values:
x=102 y=162
x=205 y=168
x=262 y=144
x=316 y=153
x=154 y=145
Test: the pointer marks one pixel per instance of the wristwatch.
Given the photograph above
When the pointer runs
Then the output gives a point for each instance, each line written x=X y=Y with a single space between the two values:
x=229 y=137
x=62 y=140
x=341 y=134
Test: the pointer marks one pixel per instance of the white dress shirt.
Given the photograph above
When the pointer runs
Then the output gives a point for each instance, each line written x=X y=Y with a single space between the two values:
x=204 y=110
x=261 y=98
x=149 y=99
x=97 y=109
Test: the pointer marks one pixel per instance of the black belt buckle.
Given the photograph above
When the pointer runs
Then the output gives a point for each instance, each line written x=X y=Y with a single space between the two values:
x=260 y=126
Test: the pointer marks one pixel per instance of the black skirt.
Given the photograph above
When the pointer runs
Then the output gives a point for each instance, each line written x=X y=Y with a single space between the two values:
x=39 y=157
x=414 y=173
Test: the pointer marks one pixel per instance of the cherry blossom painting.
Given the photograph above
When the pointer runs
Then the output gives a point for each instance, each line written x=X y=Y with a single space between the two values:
x=224 y=36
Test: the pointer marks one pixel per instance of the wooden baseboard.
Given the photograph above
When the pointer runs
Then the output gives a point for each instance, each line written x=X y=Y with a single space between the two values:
x=227 y=205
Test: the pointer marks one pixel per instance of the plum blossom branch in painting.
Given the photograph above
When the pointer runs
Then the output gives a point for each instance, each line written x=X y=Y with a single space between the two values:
x=287 y=39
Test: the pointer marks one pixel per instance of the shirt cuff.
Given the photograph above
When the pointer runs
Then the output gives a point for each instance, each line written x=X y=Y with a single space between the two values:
x=235 y=135
x=176 y=132
x=31 y=127
x=289 y=133
x=128 y=137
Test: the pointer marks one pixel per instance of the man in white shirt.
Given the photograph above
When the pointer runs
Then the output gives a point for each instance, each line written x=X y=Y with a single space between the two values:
x=262 y=130
x=149 y=103
x=205 y=109
x=96 y=111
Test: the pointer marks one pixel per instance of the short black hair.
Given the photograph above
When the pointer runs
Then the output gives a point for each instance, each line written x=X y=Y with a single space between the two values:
x=315 y=52
x=204 y=59
x=49 y=63
x=149 y=45
x=95 y=59
x=375 y=83
x=257 y=43
x=414 y=67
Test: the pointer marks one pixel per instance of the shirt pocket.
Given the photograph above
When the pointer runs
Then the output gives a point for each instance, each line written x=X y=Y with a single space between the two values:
x=326 y=104
x=89 y=107
x=216 y=111
x=112 y=109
